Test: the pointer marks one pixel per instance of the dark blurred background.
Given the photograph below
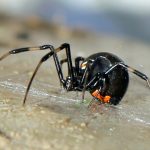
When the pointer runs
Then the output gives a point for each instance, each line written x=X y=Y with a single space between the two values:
x=121 y=18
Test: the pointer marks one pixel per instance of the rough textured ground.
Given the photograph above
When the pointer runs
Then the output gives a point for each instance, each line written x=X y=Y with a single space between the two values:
x=54 y=119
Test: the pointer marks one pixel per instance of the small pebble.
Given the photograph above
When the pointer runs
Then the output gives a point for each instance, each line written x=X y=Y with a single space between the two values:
x=83 y=124
x=15 y=72
x=42 y=112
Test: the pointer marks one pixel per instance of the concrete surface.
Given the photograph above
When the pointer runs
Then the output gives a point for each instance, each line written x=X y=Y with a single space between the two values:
x=55 y=119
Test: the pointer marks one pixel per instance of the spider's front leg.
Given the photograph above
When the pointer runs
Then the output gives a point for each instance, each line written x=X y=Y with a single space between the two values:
x=69 y=82
x=26 y=49
x=47 y=56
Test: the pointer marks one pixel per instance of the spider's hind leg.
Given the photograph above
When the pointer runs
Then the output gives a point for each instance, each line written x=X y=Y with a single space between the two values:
x=139 y=74
x=136 y=72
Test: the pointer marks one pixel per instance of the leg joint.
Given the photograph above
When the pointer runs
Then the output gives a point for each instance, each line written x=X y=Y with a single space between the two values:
x=64 y=45
x=43 y=47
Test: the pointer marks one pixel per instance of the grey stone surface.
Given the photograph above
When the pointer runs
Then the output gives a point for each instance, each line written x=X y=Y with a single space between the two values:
x=55 y=119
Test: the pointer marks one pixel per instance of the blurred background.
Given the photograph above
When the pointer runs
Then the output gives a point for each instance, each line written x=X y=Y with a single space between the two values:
x=120 y=18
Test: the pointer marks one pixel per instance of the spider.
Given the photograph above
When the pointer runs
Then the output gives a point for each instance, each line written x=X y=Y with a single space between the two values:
x=103 y=74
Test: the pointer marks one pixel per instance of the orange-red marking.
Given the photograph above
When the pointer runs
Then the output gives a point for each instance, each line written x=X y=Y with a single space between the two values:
x=105 y=99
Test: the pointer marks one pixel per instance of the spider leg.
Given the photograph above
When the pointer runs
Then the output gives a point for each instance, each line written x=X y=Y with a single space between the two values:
x=91 y=102
x=139 y=74
x=136 y=72
x=25 y=49
x=48 y=55
x=94 y=98
x=84 y=80
x=68 y=60
x=44 y=47
x=57 y=63
x=53 y=52
x=63 y=61
x=77 y=64
x=86 y=74
x=66 y=46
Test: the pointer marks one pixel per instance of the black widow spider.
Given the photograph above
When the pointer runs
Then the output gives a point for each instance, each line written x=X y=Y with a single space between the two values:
x=103 y=74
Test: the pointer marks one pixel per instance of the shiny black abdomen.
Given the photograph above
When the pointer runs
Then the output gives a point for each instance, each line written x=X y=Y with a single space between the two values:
x=117 y=79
